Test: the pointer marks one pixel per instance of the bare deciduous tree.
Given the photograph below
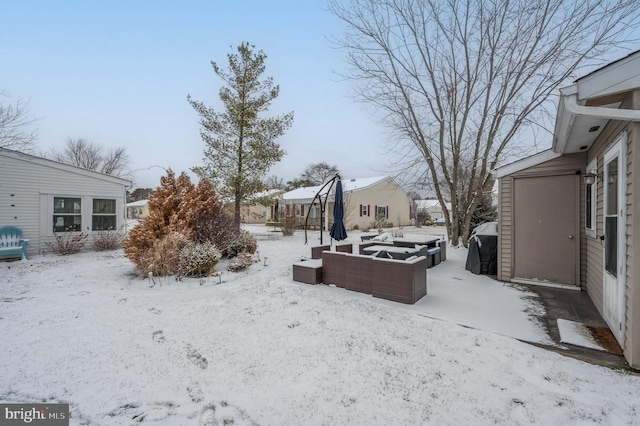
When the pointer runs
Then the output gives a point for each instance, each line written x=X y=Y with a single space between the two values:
x=275 y=182
x=88 y=155
x=16 y=123
x=457 y=81
x=318 y=173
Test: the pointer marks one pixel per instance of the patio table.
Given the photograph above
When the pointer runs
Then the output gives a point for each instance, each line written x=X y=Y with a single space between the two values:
x=411 y=241
x=395 y=252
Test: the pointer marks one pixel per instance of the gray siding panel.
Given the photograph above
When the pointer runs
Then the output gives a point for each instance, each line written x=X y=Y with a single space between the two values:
x=505 y=228
x=26 y=185
x=564 y=165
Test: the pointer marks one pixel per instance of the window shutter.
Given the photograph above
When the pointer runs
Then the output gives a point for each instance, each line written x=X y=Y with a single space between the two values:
x=375 y=210
x=368 y=210
x=387 y=211
x=302 y=210
x=360 y=210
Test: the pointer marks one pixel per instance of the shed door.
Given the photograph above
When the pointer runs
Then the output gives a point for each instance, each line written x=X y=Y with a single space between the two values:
x=546 y=233
x=613 y=279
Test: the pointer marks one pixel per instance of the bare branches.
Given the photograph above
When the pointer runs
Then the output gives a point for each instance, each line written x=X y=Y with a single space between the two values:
x=458 y=81
x=318 y=173
x=88 y=155
x=16 y=124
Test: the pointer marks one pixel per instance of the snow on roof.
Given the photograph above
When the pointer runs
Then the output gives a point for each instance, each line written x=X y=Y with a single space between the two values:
x=426 y=204
x=307 y=193
x=268 y=193
x=361 y=183
x=304 y=194
x=139 y=203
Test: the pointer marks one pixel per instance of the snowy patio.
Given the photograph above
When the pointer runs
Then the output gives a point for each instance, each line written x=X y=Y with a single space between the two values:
x=260 y=348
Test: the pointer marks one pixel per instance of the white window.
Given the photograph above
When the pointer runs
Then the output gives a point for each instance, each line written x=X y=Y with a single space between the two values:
x=104 y=214
x=591 y=193
x=382 y=211
x=67 y=214
x=364 y=210
x=315 y=211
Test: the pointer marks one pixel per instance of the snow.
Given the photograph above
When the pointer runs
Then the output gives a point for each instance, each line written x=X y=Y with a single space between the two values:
x=577 y=334
x=256 y=347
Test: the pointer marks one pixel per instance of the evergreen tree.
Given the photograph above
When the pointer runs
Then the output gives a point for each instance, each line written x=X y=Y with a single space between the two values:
x=484 y=212
x=240 y=145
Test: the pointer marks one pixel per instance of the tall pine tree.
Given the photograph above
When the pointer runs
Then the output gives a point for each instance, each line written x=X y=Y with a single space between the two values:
x=240 y=145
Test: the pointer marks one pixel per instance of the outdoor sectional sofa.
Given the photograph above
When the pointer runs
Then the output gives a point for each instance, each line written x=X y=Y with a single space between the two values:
x=403 y=281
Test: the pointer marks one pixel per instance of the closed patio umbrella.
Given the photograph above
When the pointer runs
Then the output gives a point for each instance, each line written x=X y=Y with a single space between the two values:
x=338 y=232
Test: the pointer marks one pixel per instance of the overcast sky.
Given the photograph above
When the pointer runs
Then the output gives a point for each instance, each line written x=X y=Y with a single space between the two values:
x=118 y=73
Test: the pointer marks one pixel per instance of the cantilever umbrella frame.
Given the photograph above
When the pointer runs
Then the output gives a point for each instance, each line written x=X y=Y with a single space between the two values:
x=323 y=205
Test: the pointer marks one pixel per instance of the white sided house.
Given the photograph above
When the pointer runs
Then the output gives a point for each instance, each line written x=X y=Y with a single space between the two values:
x=432 y=207
x=42 y=196
x=364 y=199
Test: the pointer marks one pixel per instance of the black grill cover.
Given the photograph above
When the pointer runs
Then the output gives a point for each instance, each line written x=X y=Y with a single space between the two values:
x=483 y=251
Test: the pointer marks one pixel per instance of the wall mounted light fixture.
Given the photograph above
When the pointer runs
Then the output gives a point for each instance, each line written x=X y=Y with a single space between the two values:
x=589 y=178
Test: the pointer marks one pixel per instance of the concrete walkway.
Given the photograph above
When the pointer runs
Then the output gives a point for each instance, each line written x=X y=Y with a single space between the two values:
x=574 y=306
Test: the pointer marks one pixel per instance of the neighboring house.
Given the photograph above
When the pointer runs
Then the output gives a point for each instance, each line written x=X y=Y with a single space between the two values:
x=432 y=207
x=262 y=213
x=364 y=199
x=570 y=216
x=138 y=209
x=42 y=196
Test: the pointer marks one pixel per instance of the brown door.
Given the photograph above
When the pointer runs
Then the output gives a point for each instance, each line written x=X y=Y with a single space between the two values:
x=546 y=233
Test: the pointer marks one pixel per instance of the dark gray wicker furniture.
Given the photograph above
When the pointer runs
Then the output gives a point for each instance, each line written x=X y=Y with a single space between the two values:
x=333 y=268
x=358 y=273
x=403 y=281
x=316 y=252
x=308 y=271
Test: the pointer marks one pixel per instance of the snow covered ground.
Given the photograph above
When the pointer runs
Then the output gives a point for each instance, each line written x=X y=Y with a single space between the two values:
x=260 y=348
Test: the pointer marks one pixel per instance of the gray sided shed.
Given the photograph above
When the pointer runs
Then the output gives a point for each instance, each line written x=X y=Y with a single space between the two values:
x=540 y=211
x=595 y=151
x=29 y=185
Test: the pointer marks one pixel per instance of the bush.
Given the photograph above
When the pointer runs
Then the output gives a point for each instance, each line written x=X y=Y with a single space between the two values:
x=289 y=225
x=163 y=257
x=69 y=242
x=380 y=222
x=198 y=259
x=194 y=212
x=241 y=262
x=108 y=239
x=218 y=229
x=356 y=227
x=422 y=217
x=398 y=233
x=243 y=242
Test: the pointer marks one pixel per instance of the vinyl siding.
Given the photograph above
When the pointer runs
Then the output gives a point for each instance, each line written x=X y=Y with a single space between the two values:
x=505 y=234
x=384 y=193
x=26 y=187
x=594 y=246
x=595 y=251
x=564 y=165
x=632 y=311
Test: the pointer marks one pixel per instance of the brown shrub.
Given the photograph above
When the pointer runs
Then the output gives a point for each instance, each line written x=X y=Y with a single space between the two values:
x=108 y=239
x=68 y=242
x=163 y=257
